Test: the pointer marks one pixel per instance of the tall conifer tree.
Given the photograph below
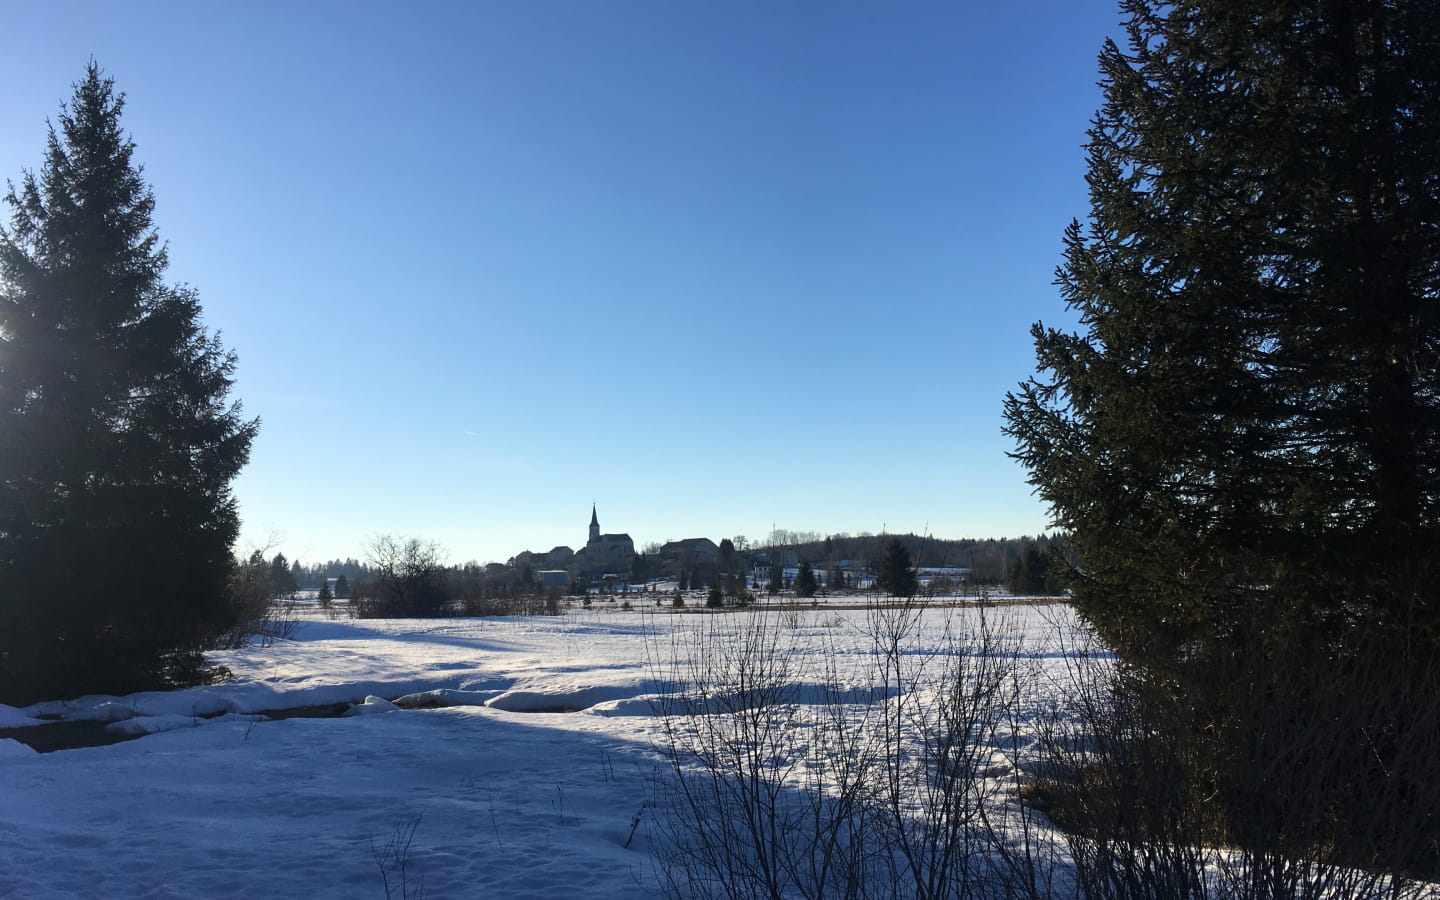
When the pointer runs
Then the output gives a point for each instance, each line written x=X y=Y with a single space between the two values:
x=895 y=575
x=117 y=441
x=1243 y=438
x=805 y=584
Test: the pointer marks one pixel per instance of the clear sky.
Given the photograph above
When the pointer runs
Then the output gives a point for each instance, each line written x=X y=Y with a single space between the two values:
x=717 y=267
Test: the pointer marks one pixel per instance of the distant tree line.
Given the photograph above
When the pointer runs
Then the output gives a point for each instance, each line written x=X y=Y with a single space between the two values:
x=1040 y=570
x=991 y=561
x=287 y=577
x=1027 y=565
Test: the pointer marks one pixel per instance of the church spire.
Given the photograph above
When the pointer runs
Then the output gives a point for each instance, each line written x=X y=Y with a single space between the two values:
x=594 y=525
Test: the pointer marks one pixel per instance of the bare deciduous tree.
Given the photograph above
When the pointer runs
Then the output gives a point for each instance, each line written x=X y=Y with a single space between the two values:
x=411 y=578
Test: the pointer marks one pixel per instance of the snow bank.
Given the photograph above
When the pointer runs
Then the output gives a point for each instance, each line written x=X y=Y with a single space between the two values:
x=560 y=698
x=444 y=697
x=15 y=750
x=139 y=725
x=371 y=706
x=648 y=705
x=10 y=717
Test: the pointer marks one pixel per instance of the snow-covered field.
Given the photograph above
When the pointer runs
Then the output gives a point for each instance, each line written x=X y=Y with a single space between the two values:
x=529 y=785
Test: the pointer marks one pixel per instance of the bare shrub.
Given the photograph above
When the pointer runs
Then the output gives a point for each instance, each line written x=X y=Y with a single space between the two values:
x=256 y=616
x=544 y=603
x=799 y=783
x=736 y=737
x=393 y=860
x=946 y=773
x=411 y=579
x=1123 y=792
x=790 y=781
x=1330 y=785
x=1279 y=786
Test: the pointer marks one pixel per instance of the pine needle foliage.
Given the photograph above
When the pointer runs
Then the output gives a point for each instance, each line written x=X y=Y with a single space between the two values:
x=1244 y=433
x=1242 y=439
x=117 y=441
x=896 y=576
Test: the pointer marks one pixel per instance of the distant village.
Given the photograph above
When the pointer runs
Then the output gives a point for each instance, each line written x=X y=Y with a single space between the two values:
x=611 y=562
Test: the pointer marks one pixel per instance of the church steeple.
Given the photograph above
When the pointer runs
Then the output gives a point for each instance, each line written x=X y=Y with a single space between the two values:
x=594 y=525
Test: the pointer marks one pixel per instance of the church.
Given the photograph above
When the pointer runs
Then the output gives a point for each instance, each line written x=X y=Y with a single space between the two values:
x=605 y=554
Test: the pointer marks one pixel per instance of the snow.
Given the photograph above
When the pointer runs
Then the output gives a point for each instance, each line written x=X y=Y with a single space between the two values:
x=526 y=748
x=11 y=750
x=510 y=804
x=10 y=717
x=371 y=706
x=520 y=750
x=141 y=725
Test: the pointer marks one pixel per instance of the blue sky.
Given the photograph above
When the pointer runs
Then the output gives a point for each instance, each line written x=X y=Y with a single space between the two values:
x=717 y=267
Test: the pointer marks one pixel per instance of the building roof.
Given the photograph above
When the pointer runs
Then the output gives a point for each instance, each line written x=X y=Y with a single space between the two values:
x=689 y=544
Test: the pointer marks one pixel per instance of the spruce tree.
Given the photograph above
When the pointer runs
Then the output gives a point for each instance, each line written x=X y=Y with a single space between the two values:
x=282 y=577
x=1030 y=575
x=896 y=576
x=117 y=441
x=726 y=559
x=805 y=585
x=1243 y=437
